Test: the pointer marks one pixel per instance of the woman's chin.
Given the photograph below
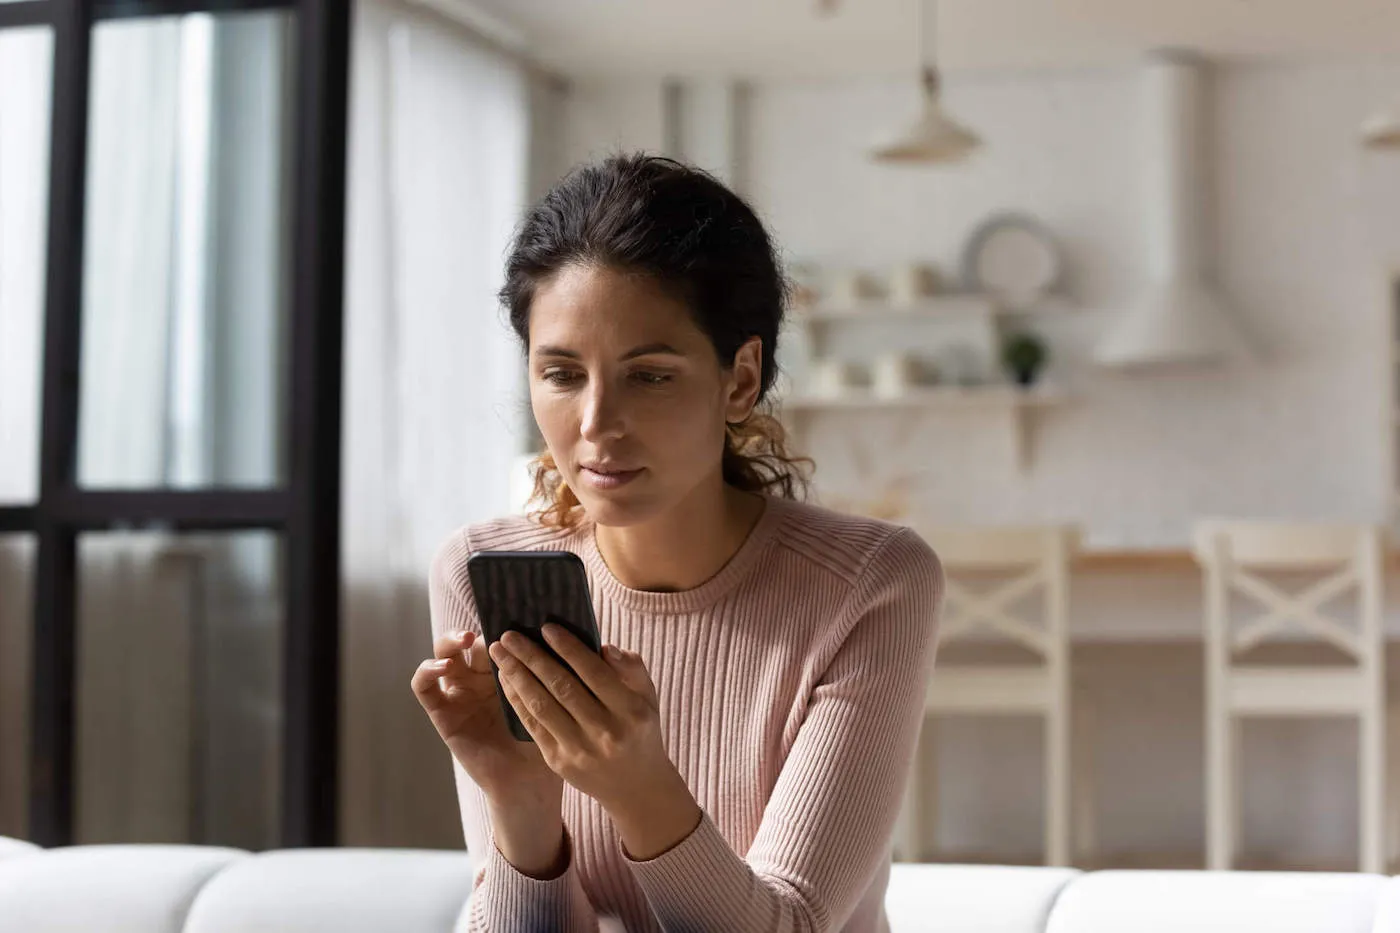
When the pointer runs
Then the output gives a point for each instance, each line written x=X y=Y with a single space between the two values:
x=619 y=507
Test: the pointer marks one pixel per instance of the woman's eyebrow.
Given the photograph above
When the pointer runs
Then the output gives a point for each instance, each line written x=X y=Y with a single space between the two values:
x=557 y=351
x=650 y=349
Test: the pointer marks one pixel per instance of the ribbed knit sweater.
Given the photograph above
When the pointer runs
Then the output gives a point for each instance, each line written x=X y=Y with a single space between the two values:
x=791 y=689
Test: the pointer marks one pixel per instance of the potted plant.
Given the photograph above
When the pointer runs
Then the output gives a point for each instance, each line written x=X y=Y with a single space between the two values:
x=1024 y=355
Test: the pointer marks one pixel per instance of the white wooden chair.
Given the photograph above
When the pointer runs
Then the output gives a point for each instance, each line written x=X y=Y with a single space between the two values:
x=1036 y=560
x=1349 y=559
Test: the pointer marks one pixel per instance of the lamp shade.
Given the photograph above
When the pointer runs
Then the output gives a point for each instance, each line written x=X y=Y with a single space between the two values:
x=933 y=136
x=1382 y=130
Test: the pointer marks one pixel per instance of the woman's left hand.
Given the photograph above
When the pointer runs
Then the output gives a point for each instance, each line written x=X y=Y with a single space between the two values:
x=607 y=742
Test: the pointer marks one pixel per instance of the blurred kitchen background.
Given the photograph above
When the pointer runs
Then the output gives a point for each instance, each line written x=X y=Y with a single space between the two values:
x=1098 y=269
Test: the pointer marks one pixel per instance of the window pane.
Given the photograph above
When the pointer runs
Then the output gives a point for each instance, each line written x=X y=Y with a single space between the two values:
x=16 y=622
x=26 y=78
x=179 y=688
x=184 y=320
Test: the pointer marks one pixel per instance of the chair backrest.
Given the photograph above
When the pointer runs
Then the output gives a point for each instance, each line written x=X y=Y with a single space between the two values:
x=1037 y=559
x=1234 y=553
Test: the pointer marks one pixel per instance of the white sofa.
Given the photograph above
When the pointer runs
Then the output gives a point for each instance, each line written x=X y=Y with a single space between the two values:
x=200 y=889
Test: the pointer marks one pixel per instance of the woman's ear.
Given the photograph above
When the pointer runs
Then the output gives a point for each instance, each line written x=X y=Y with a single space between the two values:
x=745 y=381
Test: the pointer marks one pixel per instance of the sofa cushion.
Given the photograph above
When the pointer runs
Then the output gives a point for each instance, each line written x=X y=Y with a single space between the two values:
x=346 y=890
x=9 y=848
x=985 y=899
x=1388 y=911
x=1217 y=902
x=114 y=888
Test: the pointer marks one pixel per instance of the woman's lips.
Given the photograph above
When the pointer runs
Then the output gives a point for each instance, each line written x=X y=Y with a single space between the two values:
x=605 y=478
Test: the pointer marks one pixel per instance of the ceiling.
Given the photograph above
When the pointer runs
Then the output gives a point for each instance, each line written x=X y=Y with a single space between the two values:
x=790 y=38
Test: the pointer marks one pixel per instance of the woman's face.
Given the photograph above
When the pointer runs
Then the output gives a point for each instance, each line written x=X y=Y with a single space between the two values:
x=629 y=393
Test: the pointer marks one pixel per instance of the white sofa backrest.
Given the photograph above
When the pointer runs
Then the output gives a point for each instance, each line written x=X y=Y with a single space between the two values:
x=195 y=889
x=1388 y=911
x=12 y=847
x=115 y=889
x=980 y=898
x=1218 y=902
x=300 y=890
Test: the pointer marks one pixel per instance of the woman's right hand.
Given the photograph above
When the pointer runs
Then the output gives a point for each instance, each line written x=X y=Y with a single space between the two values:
x=458 y=691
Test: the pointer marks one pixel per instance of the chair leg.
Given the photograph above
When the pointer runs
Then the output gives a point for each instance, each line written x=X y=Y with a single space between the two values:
x=1222 y=800
x=1371 y=767
x=1084 y=792
x=1057 y=788
x=928 y=797
x=1392 y=776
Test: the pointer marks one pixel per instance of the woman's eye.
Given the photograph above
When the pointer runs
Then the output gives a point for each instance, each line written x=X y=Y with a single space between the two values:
x=651 y=379
x=559 y=377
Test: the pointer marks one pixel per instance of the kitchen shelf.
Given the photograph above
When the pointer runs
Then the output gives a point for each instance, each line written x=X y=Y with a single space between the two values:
x=947 y=306
x=1022 y=405
x=970 y=326
x=931 y=397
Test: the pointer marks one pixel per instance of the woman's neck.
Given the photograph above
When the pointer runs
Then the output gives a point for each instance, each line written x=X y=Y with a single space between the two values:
x=685 y=547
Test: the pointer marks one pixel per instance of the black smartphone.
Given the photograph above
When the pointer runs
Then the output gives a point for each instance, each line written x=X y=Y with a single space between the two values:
x=521 y=591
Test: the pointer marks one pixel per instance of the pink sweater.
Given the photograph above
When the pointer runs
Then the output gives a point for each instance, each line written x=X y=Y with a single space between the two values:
x=792 y=690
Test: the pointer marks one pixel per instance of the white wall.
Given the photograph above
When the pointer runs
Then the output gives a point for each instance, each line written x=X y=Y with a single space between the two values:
x=1304 y=231
x=1304 y=226
x=1302 y=217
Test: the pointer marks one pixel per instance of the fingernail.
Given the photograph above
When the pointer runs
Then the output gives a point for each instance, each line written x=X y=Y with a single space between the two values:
x=614 y=652
x=441 y=664
x=551 y=631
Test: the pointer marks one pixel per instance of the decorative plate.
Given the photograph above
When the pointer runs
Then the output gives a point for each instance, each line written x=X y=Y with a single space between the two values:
x=1012 y=257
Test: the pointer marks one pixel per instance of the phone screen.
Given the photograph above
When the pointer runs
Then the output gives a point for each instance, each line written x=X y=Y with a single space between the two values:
x=522 y=591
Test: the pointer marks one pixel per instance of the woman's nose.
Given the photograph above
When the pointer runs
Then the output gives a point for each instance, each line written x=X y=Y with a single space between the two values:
x=602 y=413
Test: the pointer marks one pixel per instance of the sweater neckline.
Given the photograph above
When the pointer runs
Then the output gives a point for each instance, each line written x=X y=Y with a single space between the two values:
x=660 y=602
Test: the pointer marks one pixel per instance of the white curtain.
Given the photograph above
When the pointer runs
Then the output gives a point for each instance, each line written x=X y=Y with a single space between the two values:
x=177 y=670
x=182 y=268
x=26 y=67
x=178 y=677
x=434 y=415
x=133 y=775
x=129 y=256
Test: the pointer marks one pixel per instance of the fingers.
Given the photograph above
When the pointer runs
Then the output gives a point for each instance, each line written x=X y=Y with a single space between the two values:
x=553 y=702
x=450 y=643
x=595 y=673
x=533 y=726
x=463 y=643
x=477 y=658
x=563 y=685
x=427 y=681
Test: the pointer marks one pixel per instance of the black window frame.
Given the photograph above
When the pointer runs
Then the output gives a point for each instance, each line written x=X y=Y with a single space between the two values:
x=304 y=509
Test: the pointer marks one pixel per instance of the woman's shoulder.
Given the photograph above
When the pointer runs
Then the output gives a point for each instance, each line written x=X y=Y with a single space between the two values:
x=856 y=547
x=507 y=533
x=516 y=533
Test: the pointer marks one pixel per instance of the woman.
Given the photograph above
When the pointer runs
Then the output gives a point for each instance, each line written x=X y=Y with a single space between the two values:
x=738 y=759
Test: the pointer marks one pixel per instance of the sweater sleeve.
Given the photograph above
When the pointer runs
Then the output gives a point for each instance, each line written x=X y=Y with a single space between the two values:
x=828 y=824
x=502 y=899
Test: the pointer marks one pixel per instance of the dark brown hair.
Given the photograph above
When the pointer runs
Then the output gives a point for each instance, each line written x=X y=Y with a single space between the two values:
x=699 y=241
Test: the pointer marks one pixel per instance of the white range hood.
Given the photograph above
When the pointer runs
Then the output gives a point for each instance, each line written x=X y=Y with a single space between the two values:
x=1180 y=319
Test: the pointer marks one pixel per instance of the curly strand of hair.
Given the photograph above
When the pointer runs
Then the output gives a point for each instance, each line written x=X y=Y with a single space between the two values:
x=757 y=459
